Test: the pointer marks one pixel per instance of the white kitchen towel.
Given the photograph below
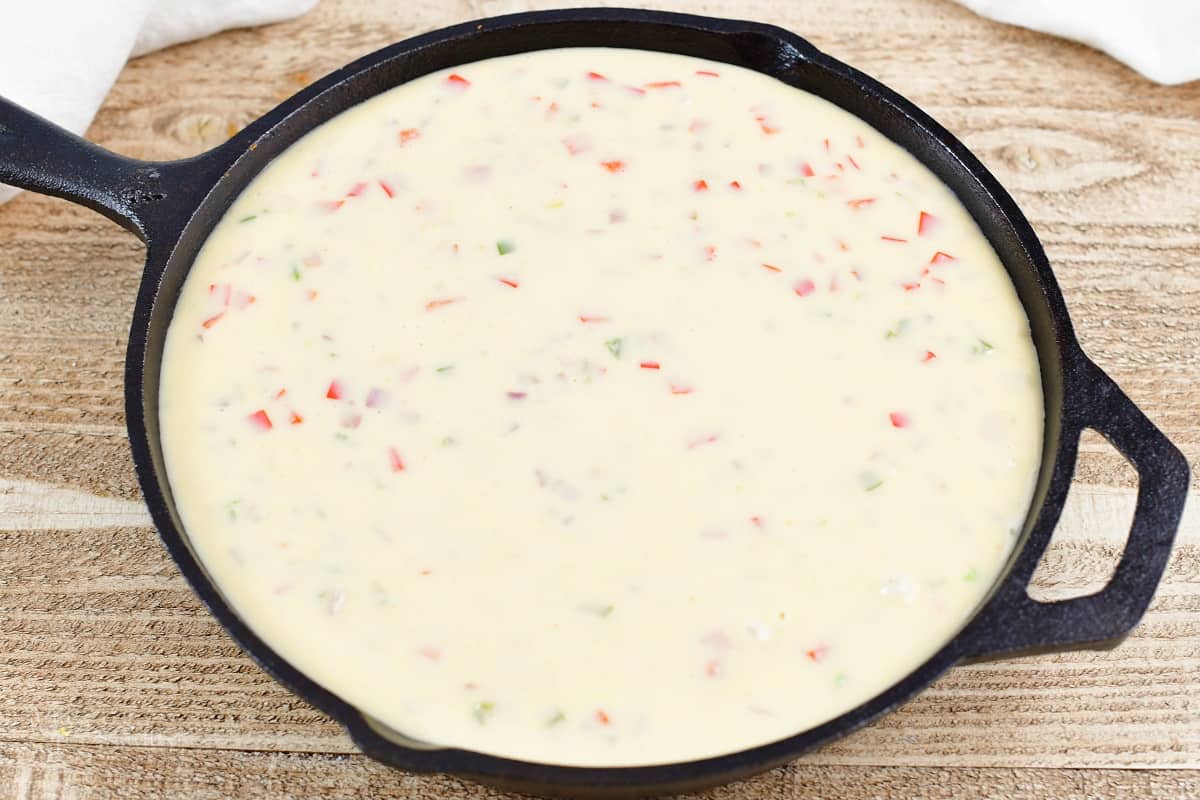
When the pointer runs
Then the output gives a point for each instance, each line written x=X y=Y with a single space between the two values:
x=59 y=58
x=1158 y=38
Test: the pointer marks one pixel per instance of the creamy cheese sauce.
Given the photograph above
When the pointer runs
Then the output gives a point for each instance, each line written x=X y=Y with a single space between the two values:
x=600 y=407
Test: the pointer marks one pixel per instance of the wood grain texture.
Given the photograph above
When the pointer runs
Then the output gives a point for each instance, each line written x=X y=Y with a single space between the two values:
x=114 y=682
x=87 y=772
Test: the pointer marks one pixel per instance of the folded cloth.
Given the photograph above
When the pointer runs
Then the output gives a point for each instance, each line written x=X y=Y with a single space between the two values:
x=1158 y=38
x=60 y=57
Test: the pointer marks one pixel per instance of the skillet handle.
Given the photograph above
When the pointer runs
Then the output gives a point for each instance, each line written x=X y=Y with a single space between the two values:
x=1014 y=622
x=145 y=197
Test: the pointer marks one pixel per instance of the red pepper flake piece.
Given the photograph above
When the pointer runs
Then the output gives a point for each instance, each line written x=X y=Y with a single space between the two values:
x=677 y=388
x=223 y=289
x=509 y=282
x=636 y=90
x=458 y=81
x=596 y=76
x=941 y=258
x=260 y=420
x=826 y=145
x=858 y=141
x=860 y=203
x=664 y=85
x=295 y=419
x=853 y=163
x=387 y=189
x=817 y=653
x=351 y=421
x=841 y=167
x=845 y=248
x=857 y=275
x=650 y=365
x=766 y=127
x=588 y=319
x=772 y=267
x=929 y=356
x=700 y=185
x=756 y=521
x=708 y=73
x=602 y=717
x=925 y=223
x=806 y=169
x=333 y=205
x=357 y=189
x=899 y=419
x=938 y=281
x=517 y=395
x=713 y=668
x=710 y=252
x=394 y=459
x=613 y=166
x=576 y=144
x=243 y=299
x=910 y=286
x=428 y=571
x=376 y=398
x=712 y=437
x=892 y=239
x=281 y=393
x=735 y=185
x=431 y=653
x=442 y=302
x=409 y=134
x=804 y=287
x=312 y=294
x=335 y=390
x=213 y=320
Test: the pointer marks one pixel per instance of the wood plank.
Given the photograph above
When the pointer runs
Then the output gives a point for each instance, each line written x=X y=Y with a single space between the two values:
x=115 y=681
x=62 y=771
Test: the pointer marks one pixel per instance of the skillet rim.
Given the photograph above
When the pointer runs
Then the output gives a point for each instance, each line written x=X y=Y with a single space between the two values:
x=164 y=252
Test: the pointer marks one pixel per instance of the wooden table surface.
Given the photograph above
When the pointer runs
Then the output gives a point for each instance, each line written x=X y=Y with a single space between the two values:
x=114 y=682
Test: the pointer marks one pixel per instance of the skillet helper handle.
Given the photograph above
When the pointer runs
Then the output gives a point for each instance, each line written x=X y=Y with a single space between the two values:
x=1020 y=623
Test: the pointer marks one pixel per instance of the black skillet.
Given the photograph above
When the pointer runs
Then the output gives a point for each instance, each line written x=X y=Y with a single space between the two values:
x=174 y=205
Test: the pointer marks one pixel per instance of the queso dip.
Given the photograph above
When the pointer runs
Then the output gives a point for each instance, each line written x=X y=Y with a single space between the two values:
x=600 y=407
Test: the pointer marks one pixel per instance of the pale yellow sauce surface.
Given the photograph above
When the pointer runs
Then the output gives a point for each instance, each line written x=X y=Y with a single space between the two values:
x=598 y=418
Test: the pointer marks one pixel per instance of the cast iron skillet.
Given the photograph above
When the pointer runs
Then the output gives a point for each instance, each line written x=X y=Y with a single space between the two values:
x=174 y=205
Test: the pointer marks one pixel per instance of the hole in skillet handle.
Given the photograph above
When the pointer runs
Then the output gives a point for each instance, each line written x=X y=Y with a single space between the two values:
x=1092 y=529
x=1013 y=622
